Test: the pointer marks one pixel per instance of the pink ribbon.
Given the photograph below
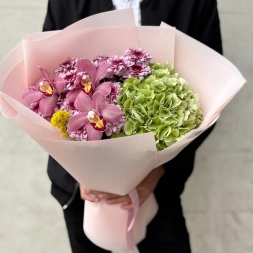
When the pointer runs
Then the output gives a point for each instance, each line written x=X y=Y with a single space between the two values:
x=134 y=196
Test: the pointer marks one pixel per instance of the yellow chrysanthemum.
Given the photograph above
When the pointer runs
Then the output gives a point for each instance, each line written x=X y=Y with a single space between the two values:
x=60 y=119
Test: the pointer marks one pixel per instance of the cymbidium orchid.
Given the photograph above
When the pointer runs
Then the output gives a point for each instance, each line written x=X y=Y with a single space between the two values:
x=88 y=76
x=88 y=79
x=94 y=115
x=45 y=92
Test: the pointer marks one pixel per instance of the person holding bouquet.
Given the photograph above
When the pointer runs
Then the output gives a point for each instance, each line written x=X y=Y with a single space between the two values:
x=167 y=232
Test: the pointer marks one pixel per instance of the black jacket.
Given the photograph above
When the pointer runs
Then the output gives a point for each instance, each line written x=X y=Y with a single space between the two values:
x=197 y=18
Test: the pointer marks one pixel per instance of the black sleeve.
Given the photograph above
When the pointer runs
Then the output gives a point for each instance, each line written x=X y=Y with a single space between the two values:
x=208 y=23
x=208 y=33
x=49 y=23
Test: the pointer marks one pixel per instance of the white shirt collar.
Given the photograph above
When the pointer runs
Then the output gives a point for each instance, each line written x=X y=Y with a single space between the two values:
x=135 y=4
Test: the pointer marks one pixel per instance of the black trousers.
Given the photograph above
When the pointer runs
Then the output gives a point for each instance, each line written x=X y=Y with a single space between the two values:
x=167 y=232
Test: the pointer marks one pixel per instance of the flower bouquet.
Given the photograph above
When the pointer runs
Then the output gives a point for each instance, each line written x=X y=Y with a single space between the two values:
x=90 y=103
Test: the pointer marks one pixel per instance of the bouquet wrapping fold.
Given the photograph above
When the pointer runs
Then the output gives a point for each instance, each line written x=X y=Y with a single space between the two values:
x=114 y=165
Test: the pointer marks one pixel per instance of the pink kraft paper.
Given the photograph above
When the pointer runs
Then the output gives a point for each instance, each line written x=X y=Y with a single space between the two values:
x=116 y=165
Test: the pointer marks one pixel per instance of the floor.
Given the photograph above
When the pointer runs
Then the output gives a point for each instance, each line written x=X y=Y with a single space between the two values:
x=218 y=200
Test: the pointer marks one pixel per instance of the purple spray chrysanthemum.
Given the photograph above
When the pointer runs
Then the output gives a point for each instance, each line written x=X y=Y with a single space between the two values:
x=116 y=66
x=137 y=56
x=115 y=93
x=115 y=127
x=99 y=59
x=67 y=70
x=34 y=106
x=138 y=71
x=79 y=135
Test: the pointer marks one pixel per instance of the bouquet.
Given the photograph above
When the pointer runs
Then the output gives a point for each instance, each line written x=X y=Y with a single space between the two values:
x=117 y=96
x=115 y=165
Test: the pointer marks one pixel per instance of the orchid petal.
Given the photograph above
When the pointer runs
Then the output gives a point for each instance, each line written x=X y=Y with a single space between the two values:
x=47 y=105
x=98 y=101
x=104 y=88
x=72 y=95
x=37 y=84
x=85 y=65
x=93 y=135
x=32 y=96
x=77 y=121
x=111 y=113
x=46 y=74
x=77 y=82
x=59 y=84
x=101 y=73
x=83 y=103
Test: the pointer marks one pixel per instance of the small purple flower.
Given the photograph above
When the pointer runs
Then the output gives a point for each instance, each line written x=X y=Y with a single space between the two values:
x=67 y=71
x=116 y=66
x=138 y=71
x=79 y=135
x=115 y=127
x=115 y=93
x=100 y=59
x=34 y=106
x=137 y=56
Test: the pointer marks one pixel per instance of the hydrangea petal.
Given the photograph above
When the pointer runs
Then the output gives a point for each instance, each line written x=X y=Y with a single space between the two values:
x=93 y=135
x=77 y=121
x=98 y=101
x=111 y=113
x=47 y=105
x=83 y=102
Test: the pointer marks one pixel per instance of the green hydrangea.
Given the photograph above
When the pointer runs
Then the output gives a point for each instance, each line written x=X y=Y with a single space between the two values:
x=162 y=103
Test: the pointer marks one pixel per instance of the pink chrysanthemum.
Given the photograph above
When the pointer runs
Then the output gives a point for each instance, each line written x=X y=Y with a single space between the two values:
x=79 y=135
x=67 y=106
x=115 y=93
x=67 y=70
x=137 y=56
x=138 y=71
x=115 y=127
x=116 y=66
x=34 y=106
x=99 y=59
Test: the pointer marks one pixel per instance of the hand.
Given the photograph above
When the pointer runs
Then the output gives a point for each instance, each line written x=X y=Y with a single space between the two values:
x=144 y=189
x=87 y=195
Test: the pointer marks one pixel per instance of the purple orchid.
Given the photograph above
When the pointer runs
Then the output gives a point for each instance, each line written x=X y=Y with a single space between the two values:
x=45 y=93
x=88 y=76
x=94 y=115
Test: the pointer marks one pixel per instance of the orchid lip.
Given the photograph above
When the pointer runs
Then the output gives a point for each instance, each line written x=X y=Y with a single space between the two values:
x=97 y=121
x=46 y=88
x=86 y=83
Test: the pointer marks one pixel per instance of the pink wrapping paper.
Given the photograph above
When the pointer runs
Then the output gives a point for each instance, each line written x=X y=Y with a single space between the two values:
x=116 y=165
